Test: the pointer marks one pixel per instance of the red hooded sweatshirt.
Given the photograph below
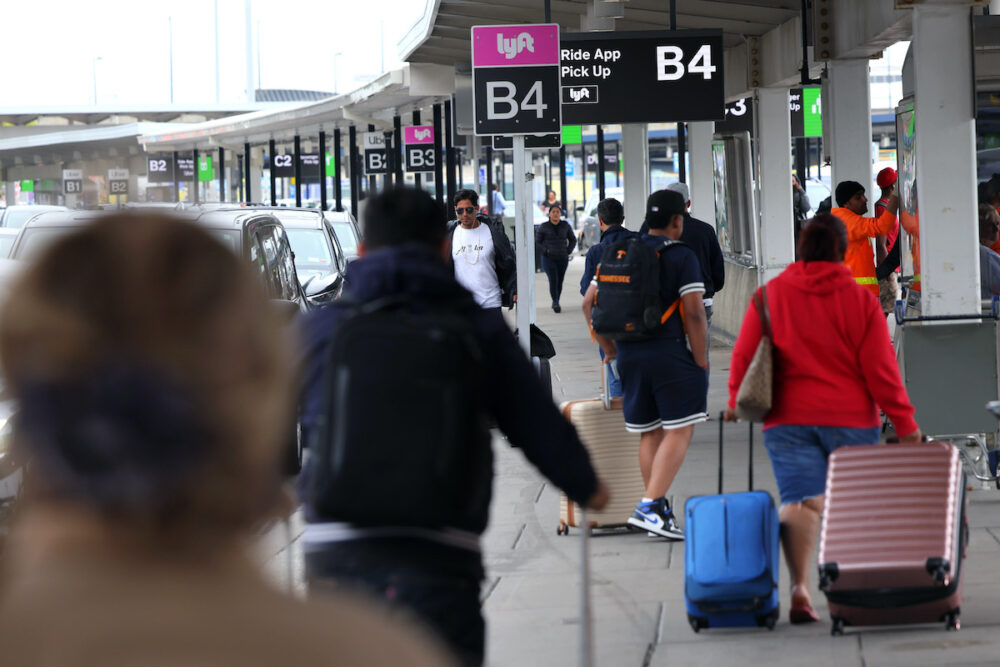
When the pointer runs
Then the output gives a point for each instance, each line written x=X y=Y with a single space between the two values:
x=833 y=359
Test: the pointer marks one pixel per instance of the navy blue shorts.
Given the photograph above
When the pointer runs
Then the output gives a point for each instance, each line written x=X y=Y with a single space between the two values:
x=799 y=455
x=662 y=386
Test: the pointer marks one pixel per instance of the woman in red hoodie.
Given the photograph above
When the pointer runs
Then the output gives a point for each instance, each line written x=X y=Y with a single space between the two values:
x=834 y=366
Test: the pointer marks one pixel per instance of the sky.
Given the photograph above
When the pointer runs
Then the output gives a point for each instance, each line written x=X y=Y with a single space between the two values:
x=52 y=47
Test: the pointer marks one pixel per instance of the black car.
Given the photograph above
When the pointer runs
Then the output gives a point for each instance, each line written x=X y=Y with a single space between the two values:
x=320 y=259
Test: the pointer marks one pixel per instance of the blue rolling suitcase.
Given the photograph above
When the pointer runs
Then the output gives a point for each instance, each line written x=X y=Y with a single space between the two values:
x=731 y=557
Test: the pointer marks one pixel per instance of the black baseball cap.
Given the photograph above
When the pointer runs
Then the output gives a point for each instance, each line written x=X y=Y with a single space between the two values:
x=662 y=206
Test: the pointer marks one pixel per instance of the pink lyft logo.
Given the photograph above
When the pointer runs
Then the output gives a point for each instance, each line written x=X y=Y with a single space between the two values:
x=418 y=134
x=515 y=45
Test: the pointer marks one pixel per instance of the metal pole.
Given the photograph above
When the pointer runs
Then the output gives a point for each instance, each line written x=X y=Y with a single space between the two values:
x=371 y=179
x=681 y=150
x=489 y=179
x=195 y=176
x=170 y=30
x=352 y=148
x=600 y=162
x=397 y=148
x=177 y=178
x=415 y=119
x=673 y=14
x=548 y=174
x=338 y=192
x=390 y=156
x=525 y=240
x=247 y=173
x=322 y=170
x=270 y=174
x=297 y=157
x=449 y=153
x=583 y=177
x=548 y=11
x=562 y=173
x=618 y=160
x=438 y=157
x=241 y=187
x=221 y=173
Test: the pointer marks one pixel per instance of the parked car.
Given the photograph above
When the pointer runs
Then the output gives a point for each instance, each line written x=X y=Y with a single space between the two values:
x=589 y=233
x=15 y=216
x=7 y=236
x=40 y=230
x=320 y=261
x=347 y=231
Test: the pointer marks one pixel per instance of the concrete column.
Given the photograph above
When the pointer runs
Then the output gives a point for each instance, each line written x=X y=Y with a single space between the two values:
x=701 y=178
x=10 y=190
x=635 y=164
x=851 y=123
x=946 y=160
x=774 y=132
x=256 y=166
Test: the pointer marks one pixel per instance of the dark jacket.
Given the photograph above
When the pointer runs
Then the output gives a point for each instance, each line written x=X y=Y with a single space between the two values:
x=800 y=204
x=504 y=261
x=608 y=236
x=555 y=241
x=701 y=237
x=512 y=393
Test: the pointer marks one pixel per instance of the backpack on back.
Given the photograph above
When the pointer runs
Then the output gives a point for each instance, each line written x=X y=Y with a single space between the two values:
x=628 y=306
x=402 y=438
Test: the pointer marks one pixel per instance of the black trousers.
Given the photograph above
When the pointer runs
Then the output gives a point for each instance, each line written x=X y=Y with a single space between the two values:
x=555 y=269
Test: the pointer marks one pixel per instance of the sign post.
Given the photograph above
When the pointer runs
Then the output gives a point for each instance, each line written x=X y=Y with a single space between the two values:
x=515 y=91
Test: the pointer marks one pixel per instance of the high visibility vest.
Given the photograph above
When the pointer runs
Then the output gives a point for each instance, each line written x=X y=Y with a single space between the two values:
x=860 y=258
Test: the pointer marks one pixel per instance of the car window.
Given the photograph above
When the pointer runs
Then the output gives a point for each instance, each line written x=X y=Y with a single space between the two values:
x=16 y=217
x=345 y=235
x=288 y=280
x=229 y=238
x=6 y=243
x=36 y=239
x=311 y=248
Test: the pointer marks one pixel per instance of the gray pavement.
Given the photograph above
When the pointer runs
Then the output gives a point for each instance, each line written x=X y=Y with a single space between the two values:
x=531 y=595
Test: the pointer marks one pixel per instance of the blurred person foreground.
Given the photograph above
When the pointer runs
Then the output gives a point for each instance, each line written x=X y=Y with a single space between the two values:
x=152 y=379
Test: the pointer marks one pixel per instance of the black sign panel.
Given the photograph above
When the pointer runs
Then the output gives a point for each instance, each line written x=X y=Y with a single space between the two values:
x=739 y=117
x=516 y=100
x=376 y=161
x=160 y=169
x=283 y=165
x=420 y=157
x=642 y=77
x=185 y=168
x=309 y=171
x=118 y=187
x=72 y=187
x=501 y=142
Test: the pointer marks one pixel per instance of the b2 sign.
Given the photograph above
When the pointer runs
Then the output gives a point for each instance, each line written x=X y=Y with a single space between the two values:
x=118 y=181
x=160 y=169
x=376 y=155
x=515 y=79
x=642 y=77
x=420 y=149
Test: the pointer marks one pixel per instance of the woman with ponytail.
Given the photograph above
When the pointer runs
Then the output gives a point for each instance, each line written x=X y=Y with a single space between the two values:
x=834 y=367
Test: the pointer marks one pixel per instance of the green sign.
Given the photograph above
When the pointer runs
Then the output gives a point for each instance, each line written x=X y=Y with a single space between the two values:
x=205 y=170
x=331 y=170
x=572 y=135
x=812 y=117
x=27 y=186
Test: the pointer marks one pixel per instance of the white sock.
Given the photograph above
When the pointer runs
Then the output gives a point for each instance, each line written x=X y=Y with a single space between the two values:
x=646 y=500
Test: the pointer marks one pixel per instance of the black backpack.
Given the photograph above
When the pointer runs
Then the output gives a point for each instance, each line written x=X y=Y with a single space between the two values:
x=628 y=306
x=402 y=438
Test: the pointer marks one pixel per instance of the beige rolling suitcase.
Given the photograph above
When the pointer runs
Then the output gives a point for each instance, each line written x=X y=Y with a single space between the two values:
x=615 y=455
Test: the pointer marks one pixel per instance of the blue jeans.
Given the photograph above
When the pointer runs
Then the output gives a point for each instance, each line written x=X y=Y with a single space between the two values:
x=555 y=269
x=799 y=455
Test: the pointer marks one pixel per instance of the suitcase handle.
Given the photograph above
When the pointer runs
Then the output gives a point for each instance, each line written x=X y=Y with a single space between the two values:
x=722 y=423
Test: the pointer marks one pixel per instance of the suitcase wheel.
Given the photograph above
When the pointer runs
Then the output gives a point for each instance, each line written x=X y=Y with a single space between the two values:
x=769 y=620
x=562 y=529
x=838 y=626
x=952 y=621
x=697 y=623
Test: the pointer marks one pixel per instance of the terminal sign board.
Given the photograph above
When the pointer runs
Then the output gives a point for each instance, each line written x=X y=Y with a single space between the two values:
x=420 y=150
x=185 y=167
x=118 y=181
x=376 y=157
x=515 y=79
x=160 y=169
x=72 y=181
x=642 y=77
x=283 y=165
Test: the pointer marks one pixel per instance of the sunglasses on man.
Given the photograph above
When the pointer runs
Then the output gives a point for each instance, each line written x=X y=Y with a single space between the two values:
x=468 y=209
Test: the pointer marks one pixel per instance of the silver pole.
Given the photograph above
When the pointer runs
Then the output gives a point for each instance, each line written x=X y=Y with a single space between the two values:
x=248 y=30
x=216 y=51
x=525 y=239
x=586 y=619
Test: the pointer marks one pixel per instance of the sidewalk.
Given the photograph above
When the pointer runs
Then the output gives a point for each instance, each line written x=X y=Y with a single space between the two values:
x=531 y=595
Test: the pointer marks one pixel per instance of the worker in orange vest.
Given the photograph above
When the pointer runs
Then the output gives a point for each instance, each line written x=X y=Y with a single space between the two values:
x=852 y=204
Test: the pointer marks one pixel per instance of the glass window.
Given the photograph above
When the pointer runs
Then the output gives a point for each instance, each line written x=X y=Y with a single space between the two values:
x=345 y=235
x=35 y=240
x=312 y=249
x=6 y=243
x=227 y=237
x=16 y=217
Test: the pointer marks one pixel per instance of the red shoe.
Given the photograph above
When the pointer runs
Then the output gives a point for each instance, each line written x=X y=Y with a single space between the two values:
x=800 y=614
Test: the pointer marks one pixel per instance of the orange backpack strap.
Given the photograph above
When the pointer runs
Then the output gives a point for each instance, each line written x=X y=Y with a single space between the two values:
x=676 y=305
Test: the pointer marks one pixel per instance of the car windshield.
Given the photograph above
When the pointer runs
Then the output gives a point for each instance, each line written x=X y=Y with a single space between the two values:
x=227 y=237
x=16 y=217
x=345 y=234
x=311 y=248
x=36 y=239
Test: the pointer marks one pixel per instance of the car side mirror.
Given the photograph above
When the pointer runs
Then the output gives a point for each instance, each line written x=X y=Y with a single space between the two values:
x=579 y=208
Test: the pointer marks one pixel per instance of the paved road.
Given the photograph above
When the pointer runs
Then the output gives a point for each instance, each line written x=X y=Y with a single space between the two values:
x=532 y=589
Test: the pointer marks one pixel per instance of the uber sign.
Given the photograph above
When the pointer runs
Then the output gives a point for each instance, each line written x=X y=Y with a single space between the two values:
x=160 y=169
x=72 y=181
x=420 y=147
x=376 y=158
x=642 y=77
x=515 y=79
x=118 y=181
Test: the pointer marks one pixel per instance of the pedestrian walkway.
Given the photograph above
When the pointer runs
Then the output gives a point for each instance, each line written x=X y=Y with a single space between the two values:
x=531 y=595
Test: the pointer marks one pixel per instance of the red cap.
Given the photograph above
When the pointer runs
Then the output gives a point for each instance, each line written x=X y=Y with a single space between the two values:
x=886 y=177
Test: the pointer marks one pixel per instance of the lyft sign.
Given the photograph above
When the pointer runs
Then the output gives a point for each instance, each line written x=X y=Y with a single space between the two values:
x=515 y=79
x=420 y=152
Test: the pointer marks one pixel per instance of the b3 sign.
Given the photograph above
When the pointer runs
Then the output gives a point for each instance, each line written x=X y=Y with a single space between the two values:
x=420 y=149
x=515 y=79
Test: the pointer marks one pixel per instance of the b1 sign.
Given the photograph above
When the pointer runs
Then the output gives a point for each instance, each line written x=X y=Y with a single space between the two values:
x=515 y=79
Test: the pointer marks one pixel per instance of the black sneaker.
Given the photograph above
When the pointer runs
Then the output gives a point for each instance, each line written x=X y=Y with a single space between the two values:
x=556 y=308
x=655 y=517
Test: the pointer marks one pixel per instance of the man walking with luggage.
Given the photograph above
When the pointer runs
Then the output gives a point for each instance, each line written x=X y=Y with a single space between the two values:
x=664 y=383
x=481 y=255
x=400 y=379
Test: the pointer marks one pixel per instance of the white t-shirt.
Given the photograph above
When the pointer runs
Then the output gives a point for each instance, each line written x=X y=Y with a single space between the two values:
x=473 y=254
